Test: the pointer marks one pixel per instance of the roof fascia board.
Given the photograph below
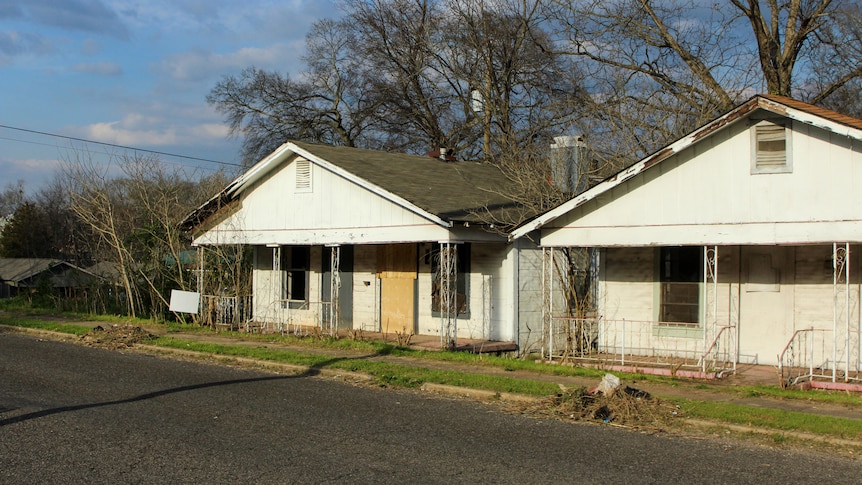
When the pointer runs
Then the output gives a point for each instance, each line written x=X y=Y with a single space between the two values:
x=257 y=171
x=810 y=119
x=681 y=144
x=369 y=186
x=718 y=124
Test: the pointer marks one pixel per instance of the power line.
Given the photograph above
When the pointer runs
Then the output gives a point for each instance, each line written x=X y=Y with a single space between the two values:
x=167 y=162
x=124 y=147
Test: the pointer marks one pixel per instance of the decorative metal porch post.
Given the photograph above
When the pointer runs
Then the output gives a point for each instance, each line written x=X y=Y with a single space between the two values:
x=200 y=282
x=710 y=312
x=447 y=278
x=334 y=287
x=840 y=278
x=277 y=281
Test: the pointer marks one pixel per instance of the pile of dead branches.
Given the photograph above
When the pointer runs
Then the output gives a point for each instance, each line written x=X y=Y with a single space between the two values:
x=116 y=336
x=624 y=406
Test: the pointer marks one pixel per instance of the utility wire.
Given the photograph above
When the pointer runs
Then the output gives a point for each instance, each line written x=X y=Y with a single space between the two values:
x=167 y=162
x=156 y=152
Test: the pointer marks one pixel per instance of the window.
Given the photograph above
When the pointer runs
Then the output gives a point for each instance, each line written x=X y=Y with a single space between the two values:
x=770 y=152
x=680 y=275
x=294 y=263
x=462 y=277
x=303 y=176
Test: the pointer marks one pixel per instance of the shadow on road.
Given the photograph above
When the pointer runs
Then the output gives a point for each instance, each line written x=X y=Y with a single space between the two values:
x=310 y=372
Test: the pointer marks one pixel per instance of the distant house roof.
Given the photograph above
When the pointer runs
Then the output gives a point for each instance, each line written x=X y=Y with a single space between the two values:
x=825 y=119
x=106 y=270
x=26 y=271
x=444 y=191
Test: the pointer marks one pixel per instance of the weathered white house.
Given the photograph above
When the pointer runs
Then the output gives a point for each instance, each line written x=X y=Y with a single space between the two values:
x=345 y=238
x=731 y=245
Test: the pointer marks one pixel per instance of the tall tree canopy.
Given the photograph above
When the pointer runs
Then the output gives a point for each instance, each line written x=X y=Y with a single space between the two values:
x=659 y=69
x=476 y=77
x=492 y=78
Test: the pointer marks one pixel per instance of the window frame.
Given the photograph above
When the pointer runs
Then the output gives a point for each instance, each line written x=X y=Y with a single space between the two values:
x=293 y=270
x=675 y=271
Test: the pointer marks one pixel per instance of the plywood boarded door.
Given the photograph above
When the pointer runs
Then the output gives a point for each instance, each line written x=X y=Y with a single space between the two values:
x=766 y=302
x=397 y=269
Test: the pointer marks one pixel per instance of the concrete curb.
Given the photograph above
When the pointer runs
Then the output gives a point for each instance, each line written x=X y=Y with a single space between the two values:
x=260 y=364
x=738 y=428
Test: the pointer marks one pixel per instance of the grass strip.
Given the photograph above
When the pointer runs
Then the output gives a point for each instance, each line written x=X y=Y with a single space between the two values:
x=776 y=419
x=45 y=325
x=383 y=372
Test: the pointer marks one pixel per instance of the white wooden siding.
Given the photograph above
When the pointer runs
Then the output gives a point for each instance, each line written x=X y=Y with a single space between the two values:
x=491 y=308
x=766 y=318
x=529 y=294
x=706 y=194
x=335 y=211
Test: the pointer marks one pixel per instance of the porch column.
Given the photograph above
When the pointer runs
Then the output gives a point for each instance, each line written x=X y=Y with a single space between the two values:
x=448 y=279
x=710 y=311
x=276 y=283
x=200 y=282
x=547 y=302
x=840 y=279
x=334 y=287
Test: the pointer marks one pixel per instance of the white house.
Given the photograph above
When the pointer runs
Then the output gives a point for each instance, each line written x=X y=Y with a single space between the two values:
x=346 y=238
x=731 y=245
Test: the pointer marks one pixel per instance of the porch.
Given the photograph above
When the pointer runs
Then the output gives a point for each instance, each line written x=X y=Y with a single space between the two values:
x=719 y=336
x=235 y=314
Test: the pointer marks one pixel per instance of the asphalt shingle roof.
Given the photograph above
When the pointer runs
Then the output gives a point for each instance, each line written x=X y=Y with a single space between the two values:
x=452 y=190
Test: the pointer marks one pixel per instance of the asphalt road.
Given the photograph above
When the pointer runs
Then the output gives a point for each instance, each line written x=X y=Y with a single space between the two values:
x=73 y=414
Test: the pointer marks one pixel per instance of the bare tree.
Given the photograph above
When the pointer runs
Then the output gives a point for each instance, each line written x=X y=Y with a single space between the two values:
x=662 y=68
x=99 y=204
x=477 y=77
x=11 y=197
x=133 y=206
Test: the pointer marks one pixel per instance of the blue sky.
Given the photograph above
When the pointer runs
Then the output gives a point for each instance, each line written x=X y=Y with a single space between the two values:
x=132 y=73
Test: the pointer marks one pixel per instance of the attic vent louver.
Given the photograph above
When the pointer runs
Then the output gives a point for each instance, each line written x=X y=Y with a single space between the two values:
x=303 y=176
x=771 y=148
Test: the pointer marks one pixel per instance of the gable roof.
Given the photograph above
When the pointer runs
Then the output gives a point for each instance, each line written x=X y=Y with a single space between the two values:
x=825 y=119
x=441 y=191
x=19 y=269
x=16 y=271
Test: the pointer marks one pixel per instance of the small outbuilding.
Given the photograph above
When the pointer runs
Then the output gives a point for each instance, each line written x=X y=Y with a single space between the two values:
x=19 y=275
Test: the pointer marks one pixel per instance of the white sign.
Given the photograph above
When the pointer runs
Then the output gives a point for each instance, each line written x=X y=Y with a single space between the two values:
x=185 y=301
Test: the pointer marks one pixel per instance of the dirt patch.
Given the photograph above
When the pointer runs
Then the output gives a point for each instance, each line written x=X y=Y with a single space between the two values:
x=624 y=406
x=116 y=337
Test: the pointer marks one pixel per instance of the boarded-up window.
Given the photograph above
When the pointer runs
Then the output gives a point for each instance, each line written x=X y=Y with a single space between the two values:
x=303 y=176
x=680 y=276
x=770 y=148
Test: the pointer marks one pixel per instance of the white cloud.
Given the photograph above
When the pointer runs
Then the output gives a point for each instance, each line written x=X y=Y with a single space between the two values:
x=91 y=47
x=200 y=64
x=14 y=43
x=74 y=15
x=138 y=130
x=32 y=171
x=103 y=68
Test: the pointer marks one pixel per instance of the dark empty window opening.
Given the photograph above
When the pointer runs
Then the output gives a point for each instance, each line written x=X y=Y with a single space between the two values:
x=462 y=281
x=295 y=265
x=681 y=272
